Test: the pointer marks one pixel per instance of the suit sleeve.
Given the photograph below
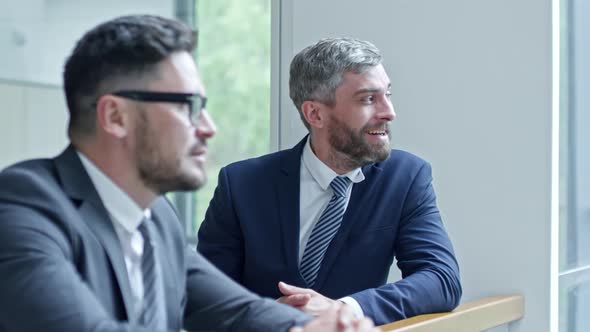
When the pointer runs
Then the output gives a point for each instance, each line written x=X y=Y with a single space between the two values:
x=40 y=288
x=430 y=272
x=220 y=236
x=217 y=303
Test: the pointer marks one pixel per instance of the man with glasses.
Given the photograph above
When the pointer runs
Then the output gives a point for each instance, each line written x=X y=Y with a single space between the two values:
x=87 y=241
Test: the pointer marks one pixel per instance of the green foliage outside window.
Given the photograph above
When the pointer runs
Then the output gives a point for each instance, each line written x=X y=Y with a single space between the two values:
x=233 y=56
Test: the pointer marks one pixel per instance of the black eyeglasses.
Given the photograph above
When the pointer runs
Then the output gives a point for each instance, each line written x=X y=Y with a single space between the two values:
x=196 y=102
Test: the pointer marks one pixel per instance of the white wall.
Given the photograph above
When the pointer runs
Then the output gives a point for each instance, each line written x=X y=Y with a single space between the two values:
x=36 y=36
x=471 y=83
x=32 y=121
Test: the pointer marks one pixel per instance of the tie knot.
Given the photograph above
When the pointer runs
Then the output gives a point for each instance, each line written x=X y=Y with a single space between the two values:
x=340 y=185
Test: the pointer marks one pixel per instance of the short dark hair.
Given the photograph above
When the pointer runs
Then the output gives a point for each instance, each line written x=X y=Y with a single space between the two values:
x=116 y=52
x=318 y=69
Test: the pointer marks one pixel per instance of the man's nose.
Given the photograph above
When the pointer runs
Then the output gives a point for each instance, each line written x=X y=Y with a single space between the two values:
x=387 y=112
x=205 y=128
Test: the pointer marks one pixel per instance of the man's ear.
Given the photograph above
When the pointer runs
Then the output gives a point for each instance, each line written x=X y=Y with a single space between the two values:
x=110 y=116
x=313 y=113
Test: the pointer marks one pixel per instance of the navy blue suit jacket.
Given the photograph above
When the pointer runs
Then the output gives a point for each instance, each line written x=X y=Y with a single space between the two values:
x=251 y=232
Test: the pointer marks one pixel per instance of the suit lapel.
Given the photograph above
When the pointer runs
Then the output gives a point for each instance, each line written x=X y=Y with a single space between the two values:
x=78 y=186
x=287 y=189
x=170 y=286
x=354 y=212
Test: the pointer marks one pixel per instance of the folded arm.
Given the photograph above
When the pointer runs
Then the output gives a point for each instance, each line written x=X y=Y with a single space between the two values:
x=430 y=272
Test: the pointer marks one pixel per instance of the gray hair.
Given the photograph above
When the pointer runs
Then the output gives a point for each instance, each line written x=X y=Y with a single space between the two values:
x=318 y=69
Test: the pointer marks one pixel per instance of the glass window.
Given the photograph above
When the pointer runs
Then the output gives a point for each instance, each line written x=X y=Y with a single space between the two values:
x=233 y=56
x=574 y=278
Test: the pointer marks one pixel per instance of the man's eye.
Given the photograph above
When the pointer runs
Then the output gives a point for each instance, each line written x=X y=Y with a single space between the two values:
x=368 y=99
x=183 y=107
x=388 y=94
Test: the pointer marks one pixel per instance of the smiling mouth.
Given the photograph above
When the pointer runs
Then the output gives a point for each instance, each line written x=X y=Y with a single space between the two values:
x=377 y=132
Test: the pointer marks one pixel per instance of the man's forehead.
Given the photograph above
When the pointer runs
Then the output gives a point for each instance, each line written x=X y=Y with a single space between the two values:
x=374 y=78
x=178 y=73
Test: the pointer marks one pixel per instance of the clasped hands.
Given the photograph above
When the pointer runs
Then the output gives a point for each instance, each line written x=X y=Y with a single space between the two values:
x=331 y=315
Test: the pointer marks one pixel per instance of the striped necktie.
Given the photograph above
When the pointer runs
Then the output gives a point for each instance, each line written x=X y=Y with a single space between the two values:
x=324 y=231
x=153 y=312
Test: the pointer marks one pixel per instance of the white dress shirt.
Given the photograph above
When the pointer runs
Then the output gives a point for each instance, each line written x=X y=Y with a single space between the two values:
x=315 y=194
x=126 y=216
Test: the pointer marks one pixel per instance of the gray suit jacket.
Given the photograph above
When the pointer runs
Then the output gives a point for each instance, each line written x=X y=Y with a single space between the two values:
x=62 y=268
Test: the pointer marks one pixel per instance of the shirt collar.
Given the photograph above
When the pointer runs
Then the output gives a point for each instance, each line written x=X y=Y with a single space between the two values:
x=323 y=174
x=120 y=206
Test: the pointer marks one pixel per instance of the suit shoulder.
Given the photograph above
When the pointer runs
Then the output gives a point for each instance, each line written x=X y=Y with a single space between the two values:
x=404 y=158
x=31 y=178
x=401 y=165
x=29 y=169
x=269 y=160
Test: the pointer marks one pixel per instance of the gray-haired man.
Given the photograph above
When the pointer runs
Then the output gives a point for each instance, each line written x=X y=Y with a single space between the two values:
x=330 y=214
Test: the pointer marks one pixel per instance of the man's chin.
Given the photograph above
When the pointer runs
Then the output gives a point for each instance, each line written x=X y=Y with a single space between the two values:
x=187 y=186
x=187 y=182
x=193 y=176
x=194 y=182
x=380 y=154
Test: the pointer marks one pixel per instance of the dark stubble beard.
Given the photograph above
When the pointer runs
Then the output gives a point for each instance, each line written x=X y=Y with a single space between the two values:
x=158 y=173
x=352 y=145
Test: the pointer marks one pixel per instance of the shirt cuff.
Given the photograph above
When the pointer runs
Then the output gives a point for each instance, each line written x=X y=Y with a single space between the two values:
x=356 y=307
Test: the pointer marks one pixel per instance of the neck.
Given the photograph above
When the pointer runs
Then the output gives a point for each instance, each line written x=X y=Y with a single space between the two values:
x=115 y=164
x=337 y=161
